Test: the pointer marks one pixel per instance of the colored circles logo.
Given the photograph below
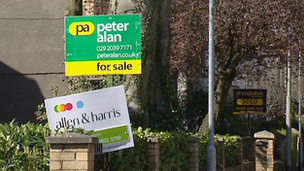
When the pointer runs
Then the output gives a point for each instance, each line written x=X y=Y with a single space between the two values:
x=67 y=107
x=79 y=104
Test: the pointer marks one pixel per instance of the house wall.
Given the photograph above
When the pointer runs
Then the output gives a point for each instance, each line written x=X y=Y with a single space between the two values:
x=31 y=50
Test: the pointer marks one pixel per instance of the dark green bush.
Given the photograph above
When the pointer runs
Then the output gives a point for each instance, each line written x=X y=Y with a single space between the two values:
x=294 y=137
x=230 y=149
x=23 y=147
x=133 y=158
x=174 y=151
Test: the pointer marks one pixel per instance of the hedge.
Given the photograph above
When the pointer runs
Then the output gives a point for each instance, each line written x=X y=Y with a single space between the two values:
x=23 y=147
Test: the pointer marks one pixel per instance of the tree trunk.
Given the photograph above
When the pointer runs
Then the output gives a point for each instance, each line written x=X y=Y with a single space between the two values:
x=220 y=97
x=221 y=92
x=182 y=88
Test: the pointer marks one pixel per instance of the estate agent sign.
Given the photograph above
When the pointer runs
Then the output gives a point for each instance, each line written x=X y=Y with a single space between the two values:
x=103 y=44
x=250 y=101
x=104 y=111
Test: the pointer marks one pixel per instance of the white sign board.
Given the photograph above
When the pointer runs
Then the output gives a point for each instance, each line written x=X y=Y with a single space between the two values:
x=105 y=111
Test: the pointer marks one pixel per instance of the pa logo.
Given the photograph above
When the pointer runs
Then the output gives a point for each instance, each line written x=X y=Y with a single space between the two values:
x=67 y=107
x=81 y=28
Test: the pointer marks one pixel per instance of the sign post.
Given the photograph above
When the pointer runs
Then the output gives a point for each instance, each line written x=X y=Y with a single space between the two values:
x=249 y=101
x=103 y=45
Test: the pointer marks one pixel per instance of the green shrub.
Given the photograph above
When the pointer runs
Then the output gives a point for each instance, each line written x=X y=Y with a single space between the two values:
x=23 y=147
x=294 y=137
x=203 y=146
x=134 y=158
x=174 y=151
x=230 y=149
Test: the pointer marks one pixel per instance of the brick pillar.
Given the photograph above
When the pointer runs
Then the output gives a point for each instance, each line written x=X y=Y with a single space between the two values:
x=153 y=153
x=193 y=162
x=88 y=7
x=72 y=151
x=264 y=159
x=270 y=155
x=220 y=154
x=261 y=155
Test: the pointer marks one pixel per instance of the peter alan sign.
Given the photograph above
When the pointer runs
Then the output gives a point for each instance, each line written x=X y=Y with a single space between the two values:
x=103 y=44
x=104 y=111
